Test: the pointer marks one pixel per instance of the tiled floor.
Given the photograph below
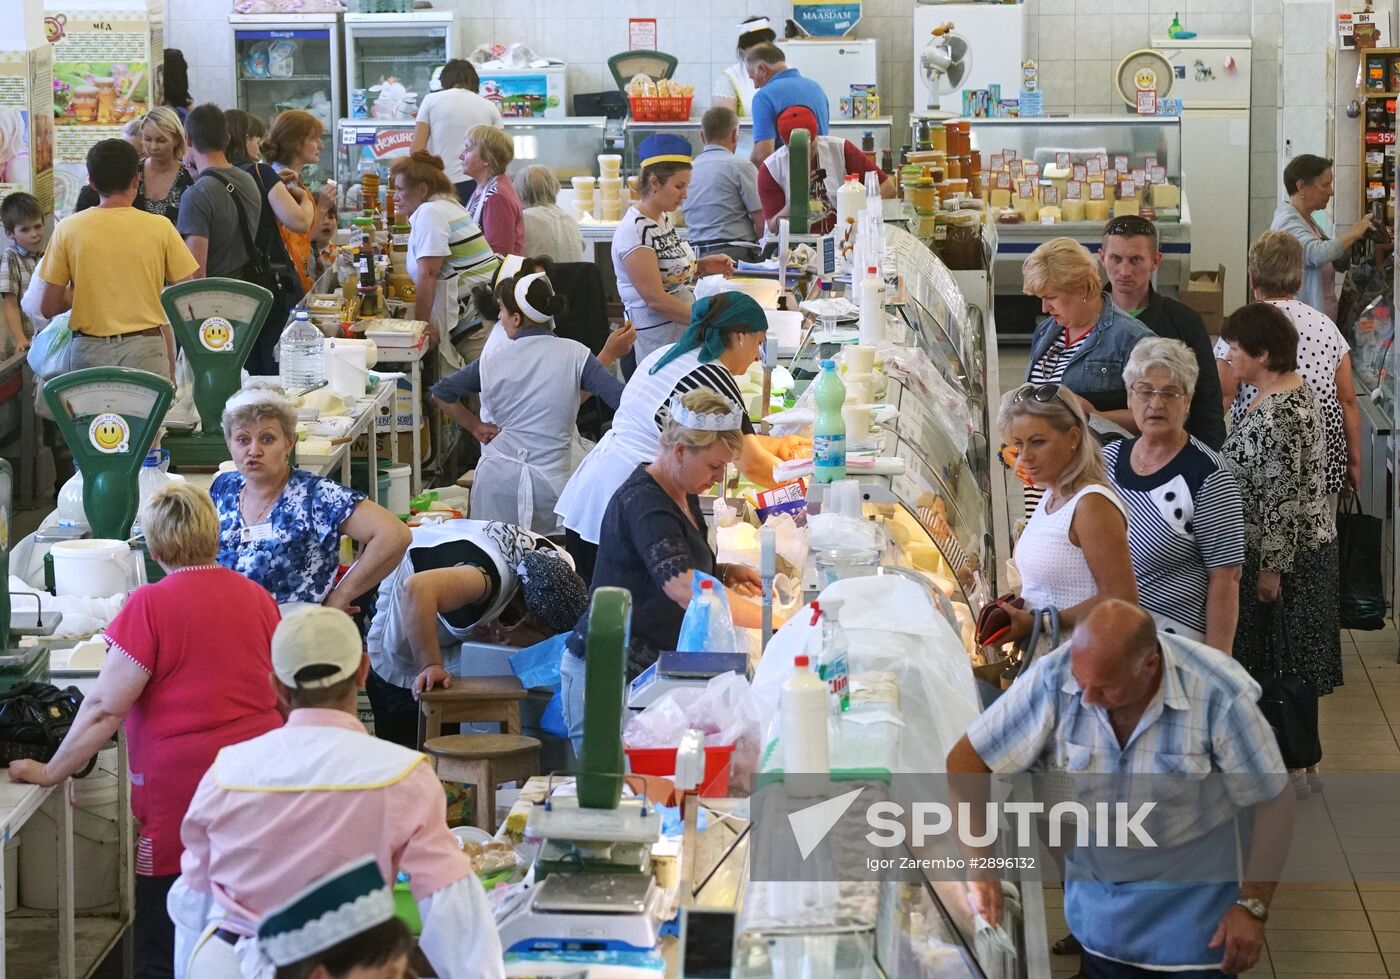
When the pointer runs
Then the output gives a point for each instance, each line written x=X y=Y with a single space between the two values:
x=1335 y=929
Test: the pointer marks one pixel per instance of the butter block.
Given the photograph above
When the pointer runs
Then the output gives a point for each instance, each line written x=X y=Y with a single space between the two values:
x=1166 y=195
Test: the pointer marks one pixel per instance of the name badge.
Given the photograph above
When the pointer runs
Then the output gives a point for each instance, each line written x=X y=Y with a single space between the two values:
x=260 y=532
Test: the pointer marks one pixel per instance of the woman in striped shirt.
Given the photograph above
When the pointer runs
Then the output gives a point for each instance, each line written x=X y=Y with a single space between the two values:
x=1185 y=518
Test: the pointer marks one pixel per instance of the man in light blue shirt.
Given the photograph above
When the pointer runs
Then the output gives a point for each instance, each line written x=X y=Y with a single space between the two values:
x=722 y=209
x=1122 y=699
x=778 y=88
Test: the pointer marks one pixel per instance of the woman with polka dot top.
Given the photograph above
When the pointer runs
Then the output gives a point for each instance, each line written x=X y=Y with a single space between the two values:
x=1324 y=359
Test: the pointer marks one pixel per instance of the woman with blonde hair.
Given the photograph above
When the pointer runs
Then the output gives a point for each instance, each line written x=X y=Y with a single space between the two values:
x=494 y=205
x=294 y=142
x=163 y=647
x=548 y=230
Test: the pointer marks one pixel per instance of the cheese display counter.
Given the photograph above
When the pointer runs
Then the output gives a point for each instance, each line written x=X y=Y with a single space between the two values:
x=880 y=129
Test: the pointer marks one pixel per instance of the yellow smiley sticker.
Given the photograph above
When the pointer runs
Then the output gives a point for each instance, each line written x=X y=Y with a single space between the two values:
x=1146 y=79
x=109 y=434
x=216 y=334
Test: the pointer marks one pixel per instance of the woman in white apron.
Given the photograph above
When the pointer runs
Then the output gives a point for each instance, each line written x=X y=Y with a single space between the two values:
x=724 y=338
x=734 y=88
x=529 y=384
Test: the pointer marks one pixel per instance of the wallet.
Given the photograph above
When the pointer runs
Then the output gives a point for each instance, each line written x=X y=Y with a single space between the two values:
x=994 y=621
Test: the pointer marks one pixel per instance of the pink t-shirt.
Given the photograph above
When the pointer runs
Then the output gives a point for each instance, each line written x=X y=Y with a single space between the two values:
x=205 y=637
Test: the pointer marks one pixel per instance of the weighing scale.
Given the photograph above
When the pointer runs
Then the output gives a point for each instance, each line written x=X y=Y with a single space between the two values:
x=109 y=416
x=675 y=670
x=594 y=890
x=216 y=323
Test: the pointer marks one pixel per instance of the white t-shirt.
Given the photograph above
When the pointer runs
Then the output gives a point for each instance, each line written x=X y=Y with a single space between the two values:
x=441 y=227
x=676 y=260
x=449 y=114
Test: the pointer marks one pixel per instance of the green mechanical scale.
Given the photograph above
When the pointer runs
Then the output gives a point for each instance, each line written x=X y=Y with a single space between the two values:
x=216 y=323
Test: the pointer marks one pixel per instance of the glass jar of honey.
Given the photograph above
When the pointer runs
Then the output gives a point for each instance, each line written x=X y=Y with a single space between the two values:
x=923 y=196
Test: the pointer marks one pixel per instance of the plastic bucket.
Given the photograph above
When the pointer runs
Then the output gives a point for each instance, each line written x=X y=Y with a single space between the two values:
x=93 y=568
x=396 y=500
x=661 y=762
x=94 y=860
x=11 y=874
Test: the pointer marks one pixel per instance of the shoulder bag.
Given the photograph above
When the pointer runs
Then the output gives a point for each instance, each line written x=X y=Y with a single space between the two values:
x=1289 y=702
x=1361 y=595
x=258 y=269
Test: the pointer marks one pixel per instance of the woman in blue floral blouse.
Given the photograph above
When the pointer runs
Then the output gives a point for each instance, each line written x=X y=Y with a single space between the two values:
x=281 y=526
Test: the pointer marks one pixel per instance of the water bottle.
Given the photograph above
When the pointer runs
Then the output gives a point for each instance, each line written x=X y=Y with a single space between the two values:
x=829 y=428
x=303 y=360
x=71 y=512
x=803 y=710
x=870 y=296
x=150 y=480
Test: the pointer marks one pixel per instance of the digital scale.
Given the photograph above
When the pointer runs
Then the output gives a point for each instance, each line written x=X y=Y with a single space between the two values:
x=678 y=670
x=216 y=322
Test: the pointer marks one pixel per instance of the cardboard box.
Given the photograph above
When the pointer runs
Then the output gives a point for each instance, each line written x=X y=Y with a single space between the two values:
x=1205 y=293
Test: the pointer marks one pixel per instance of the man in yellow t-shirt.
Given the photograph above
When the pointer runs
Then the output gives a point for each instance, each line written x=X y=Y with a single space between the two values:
x=116 y=259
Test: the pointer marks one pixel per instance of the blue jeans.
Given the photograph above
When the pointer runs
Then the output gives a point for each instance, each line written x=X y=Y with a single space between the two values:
x=571 y=686
x=1094 y=967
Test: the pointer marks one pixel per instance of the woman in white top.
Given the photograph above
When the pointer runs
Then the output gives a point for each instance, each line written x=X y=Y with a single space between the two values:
x=734 y=88
x=1074 y=551
x=549 y=232
x=656 y=268
x=445 y=116
x=1324 y=359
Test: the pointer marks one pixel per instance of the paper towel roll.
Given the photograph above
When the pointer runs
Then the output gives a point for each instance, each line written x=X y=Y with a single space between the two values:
x=346 y=368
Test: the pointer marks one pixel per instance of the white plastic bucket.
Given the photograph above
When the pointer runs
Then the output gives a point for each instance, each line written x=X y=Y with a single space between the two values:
x=93 y=568
x=397 y=500
x=11 y=874
x=94 y=860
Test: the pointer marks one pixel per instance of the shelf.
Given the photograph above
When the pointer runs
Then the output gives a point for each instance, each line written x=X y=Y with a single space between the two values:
x=1380 y=95
x=390 y=59
x=288 y=78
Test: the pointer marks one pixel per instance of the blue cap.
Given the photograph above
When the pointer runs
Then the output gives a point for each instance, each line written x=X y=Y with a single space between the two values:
x=664 y=148
x=828 y=365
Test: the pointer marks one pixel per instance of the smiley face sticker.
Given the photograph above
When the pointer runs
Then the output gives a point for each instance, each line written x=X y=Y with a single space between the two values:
x=110 y=434
x=1145 y=79
x=216 y=334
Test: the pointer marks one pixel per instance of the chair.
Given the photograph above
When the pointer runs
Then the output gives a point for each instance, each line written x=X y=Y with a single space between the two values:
x=474 y=699
x=484 y=761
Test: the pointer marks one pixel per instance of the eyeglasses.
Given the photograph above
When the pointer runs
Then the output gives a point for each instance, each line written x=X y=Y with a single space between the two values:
x=1039 y=393
x=1168 y=397
x=1131 y=225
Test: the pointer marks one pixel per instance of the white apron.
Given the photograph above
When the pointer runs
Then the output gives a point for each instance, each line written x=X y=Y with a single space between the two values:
x=631 y=442
x=531 y=385
x=831 y=157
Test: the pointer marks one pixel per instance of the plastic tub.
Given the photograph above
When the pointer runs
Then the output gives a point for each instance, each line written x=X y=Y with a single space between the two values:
x=12 y=874
x=661 y=762
x=94 y=568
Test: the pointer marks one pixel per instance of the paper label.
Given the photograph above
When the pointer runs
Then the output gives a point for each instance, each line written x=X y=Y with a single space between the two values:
x=1017 y=168
x=1050 y=195
x=828 y=452
x=1026 y=189
x=1096 y=190
x=1093 y=167
x=1139 y=176
x=1157 y=175
x=1081 y=172
x=258 y=532
x=1032 y=169
x=1126 y=189
x=110 y=434
x=1003 y=180
x=1062 y=160
x=1074 y=190
x=1047 y=219
x=997 y=161
x=1149 y=162
x=1011 y=154
x=1120 y=163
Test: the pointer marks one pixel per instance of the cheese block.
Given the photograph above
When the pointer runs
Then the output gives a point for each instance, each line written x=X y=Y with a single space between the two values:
x=1072 y=210
x=1166 y=195
x=1029 y=207
x=1125 y=207
x=1000 y=197
x=1096 y=210
x=1050 y=214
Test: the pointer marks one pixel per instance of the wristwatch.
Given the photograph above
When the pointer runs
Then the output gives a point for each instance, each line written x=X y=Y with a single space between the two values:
x=1255 y=907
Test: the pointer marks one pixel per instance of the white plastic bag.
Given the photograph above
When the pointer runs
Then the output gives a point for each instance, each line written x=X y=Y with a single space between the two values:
x=725 y=710
x=707 y=627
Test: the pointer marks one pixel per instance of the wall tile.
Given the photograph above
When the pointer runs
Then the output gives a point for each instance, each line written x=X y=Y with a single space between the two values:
x=1307 y=26
x=1130 y=32
x=1263 y=129
x=1093 y=83
x=1261 y=215
x=1057 y=78
x=1263 y=83
x=1057 y=37
x=1346 y=205
x=1096 y=8
x=587 y=78
x=1262 y=169
x=1048 y=7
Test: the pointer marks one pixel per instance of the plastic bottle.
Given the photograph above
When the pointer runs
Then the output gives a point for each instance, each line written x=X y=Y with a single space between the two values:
x=834 y=665
x=829 y=428
x=705 y=610
x=303 y=357
x=150 y=479
x=1175 y=28
x=70 y=502
x=804 y=719
x=870 y=296
x=849 y=200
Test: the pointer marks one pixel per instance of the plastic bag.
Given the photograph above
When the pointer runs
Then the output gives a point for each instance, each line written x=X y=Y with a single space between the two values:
x=725 y=710
x=45 y=349
x=708 y=626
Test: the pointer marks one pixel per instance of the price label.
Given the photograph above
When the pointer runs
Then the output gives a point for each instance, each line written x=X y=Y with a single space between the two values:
x=998 y=160
x=1096 y=191
x=1081 y=172
x=1062 y=160
x=1126 y=189
x=1026 y=189
x=1139 y=176
x=1011 y=154
x=1149 y=162
x=1017 y=168
x=1032 y=170
x=1050 y=195
x=1157 y=175
x=1093 y=167
x=1003 y=180
x=1120 y=163
x=1074 y=190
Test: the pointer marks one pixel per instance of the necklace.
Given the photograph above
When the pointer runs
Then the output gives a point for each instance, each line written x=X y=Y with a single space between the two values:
x=1147 y=464
x=267 y=508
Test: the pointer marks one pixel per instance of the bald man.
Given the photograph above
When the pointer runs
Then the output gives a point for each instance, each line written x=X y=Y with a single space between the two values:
x=1122 y=698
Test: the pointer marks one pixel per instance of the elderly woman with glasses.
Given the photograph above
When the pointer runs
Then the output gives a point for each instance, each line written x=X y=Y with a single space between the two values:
x=1074 y=551
x=1185 y=518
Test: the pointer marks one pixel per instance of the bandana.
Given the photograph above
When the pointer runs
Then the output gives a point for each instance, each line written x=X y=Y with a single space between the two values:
x=710 y=319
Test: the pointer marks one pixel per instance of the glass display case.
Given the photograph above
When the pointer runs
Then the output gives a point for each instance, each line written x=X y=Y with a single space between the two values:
x=568 y=146
x=291 y=62
x=390 y=60
x=852 y=129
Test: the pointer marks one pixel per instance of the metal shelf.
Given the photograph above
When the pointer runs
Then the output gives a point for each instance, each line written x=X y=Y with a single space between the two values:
x=390 y=59
x=287 y=78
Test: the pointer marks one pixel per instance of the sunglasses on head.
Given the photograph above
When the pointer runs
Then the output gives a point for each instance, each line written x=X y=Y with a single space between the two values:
x=1039 y=393
x=1131 y=225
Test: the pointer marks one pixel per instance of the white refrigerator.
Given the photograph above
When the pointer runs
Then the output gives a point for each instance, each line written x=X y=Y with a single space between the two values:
x=836 y=64
x=996 y=39
x=1211 y=77
x=390 y=60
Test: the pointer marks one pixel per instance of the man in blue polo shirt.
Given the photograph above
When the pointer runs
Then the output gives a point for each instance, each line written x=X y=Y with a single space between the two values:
x=779 y=87
x=722 y=209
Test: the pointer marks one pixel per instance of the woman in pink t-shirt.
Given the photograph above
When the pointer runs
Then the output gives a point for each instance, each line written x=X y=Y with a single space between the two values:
x=187 y=670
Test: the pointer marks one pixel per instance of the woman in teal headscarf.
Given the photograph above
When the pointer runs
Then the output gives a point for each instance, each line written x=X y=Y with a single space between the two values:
x=725 y=335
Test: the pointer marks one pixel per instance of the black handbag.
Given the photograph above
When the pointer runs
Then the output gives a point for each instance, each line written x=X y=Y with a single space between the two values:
x=34 y=718
x=1289 y=704
x=1360 y=592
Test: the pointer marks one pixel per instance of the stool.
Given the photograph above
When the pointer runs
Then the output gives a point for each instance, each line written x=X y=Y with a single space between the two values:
x=485 y=761
x=471 y=698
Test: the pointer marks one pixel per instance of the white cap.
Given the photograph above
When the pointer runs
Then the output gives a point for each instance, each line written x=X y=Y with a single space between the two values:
x=317 y=636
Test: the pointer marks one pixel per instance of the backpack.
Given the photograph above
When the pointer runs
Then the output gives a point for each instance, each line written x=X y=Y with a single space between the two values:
x=258 y=269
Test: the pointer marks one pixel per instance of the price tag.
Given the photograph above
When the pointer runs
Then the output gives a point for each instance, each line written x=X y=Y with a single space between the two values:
x=1096 y=190
x=1032 y=170
x=1062 y=160
x=1157 y=175
x=1093 y=167
x=1126 y=190
x=998 y=160
x=1139 y=176
x=1011 y=154
x=1120 y=163
x=1081 y=172
x=1003 y=180
x=1017 y=168
x=1050 y=195
x=1074 y=190
x=1103 y=160
x=1149 y=162
x=1026 y=189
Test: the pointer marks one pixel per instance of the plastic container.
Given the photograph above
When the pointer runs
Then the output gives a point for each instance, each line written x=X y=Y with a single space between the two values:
x=850 y=198
x=803 y=712
x=655 y=109
x=70 y=502
x=872 y=308
x=94 y=568
x=95 y=844
x=303 y=358
x=396 y=500
x=829 y=428
x=661 y=762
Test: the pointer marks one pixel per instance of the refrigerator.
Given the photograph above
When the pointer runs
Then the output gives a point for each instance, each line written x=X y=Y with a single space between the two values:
x=290 y=61
x=1211 y=77
x=996 y=40
x=836 y=65
x=363 y=145
x=527 y=93
x=390 y=60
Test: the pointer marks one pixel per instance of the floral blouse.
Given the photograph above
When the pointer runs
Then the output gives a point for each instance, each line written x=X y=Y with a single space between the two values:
x=169 y=205
x=1278 y=455
x=295 y=552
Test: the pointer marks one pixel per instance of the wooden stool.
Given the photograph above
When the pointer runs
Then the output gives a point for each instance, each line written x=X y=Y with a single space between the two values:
x=471 y=698
x=485 y=761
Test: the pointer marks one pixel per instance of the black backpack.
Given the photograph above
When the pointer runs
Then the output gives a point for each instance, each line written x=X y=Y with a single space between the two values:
x=258 y=269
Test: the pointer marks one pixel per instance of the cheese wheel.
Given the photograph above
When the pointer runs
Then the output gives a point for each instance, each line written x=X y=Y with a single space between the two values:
x=1129 y=206
x=1072 y=210
x=1166 y=195
x=1096 y=210
x=1050 y=214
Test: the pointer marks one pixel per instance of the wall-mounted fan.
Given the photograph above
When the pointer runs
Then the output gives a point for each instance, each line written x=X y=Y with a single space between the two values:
x=945 y=62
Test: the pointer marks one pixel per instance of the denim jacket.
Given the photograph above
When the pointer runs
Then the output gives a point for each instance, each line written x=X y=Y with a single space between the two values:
x=1096 y=371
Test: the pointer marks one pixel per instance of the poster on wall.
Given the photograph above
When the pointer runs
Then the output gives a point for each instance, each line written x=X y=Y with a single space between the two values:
x=826 y=18
x=106 y=68
x=26 y=125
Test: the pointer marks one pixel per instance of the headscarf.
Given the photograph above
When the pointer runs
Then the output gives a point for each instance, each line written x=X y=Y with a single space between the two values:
x=710 y=319
x=555 y=595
